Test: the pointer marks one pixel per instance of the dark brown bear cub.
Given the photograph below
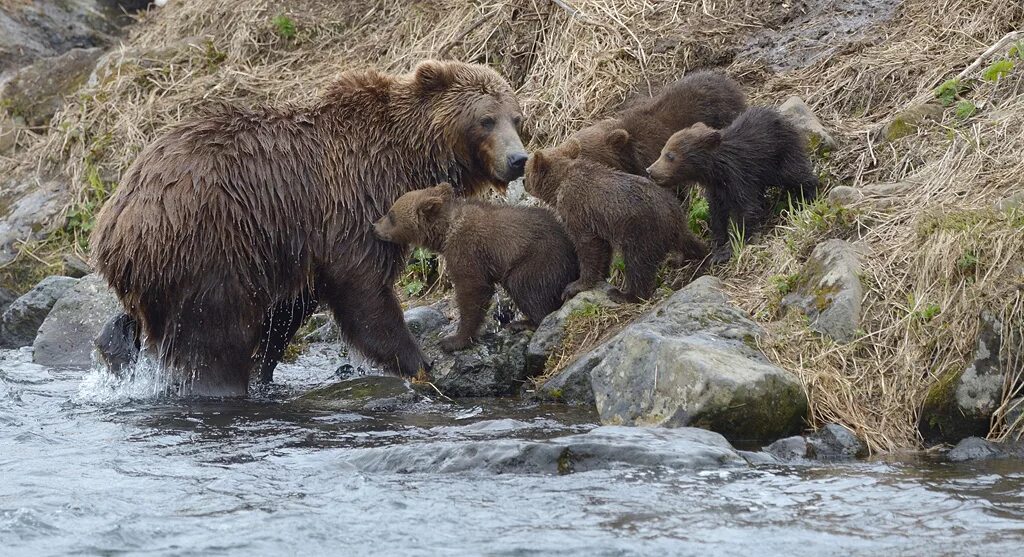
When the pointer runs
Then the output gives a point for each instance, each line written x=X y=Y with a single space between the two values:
x=737 y=166
x=605 y=209
x=633 y=139
x=524 y=249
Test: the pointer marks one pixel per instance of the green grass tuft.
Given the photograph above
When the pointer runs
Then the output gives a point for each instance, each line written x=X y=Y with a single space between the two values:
x=965 y=109
x=948 y=91
x=997 y=70
x=284 y=26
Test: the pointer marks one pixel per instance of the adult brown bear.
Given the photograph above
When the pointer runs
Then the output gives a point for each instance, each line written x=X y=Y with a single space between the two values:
x=228 y=230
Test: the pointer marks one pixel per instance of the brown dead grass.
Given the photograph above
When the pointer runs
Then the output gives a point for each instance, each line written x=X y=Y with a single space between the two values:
x=574 y=61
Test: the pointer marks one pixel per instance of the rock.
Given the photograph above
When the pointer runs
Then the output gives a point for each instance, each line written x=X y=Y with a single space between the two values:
x=789 y=449
x=551 y=331
x=573 y=385
x=1014 y=412
x=6 y=297
x=829 y=291
x=835 y=442
x=75 y=266
x=1010 y=202
x=67 y=336
x=601 y=448
x=21 y=321
x=374 y=393
x=424 y=319
x=972 y=448
x=320 y=327
x=800 y=115
x=845 y=195
x=494 y=366
x=36 y=92
x=29 y=210
x=961 y=403
x=907 y=122
x=693 y=360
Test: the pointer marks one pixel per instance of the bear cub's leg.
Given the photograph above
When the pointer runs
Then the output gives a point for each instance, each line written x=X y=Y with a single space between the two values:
x=595 y=256
x=721 y=251
x=473 y=296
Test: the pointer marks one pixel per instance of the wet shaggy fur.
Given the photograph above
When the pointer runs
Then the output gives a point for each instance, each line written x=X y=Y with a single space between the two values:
x=633 y=139
x=605 y=210
x=737 y=166
x=230 y=229
x=524 y=249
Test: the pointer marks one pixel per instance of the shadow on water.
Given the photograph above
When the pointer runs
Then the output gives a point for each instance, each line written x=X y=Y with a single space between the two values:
x=83 y=471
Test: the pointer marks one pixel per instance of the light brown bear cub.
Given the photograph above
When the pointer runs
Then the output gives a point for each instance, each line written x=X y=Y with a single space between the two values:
x=524 y=249
x=605 y=209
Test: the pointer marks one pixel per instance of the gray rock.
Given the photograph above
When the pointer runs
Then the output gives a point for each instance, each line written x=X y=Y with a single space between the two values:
x=29 y=210
x=693 y=360
x=961 y=403
x=835 y=442
x=424 y=319
x=494 y=366
x=573 y=385
x=845 y=195
x=6 y=297
x=66 y=338
x=75 y=266
x=829 y=291
x=789 y=449
x=801 y=116
x=1014 y=413
x=907 y=122
x=36 y=92
x=20 y=323
x=374 y=393
x=551 y=331
x=1010 y=202
x=974 y=448
x=601 y=448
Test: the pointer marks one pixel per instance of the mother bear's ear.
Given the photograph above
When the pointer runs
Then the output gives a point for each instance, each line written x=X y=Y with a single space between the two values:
x=433 y=75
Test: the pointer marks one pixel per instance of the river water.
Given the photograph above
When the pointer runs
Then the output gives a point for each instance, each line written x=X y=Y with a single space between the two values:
x=92 y=467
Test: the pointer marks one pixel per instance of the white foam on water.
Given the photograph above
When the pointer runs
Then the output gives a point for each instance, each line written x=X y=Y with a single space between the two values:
x=145 y=380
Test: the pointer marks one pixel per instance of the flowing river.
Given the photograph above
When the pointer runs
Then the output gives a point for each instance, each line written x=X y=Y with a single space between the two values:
x=92 y=467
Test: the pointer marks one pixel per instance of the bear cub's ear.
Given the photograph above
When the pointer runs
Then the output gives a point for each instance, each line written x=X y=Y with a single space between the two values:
x=433 y=75
x=618 y=137
x=445 y=190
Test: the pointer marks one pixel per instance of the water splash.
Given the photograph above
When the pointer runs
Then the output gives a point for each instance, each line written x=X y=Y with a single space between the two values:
x=146 y=380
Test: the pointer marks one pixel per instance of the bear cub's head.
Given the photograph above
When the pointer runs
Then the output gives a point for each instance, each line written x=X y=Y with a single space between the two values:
x=685 y=155
x=606 y=142
x=546 y=168
x=418 y=218
x=481 y=119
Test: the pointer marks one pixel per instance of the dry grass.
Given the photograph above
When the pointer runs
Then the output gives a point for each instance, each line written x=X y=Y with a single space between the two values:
x=574 y=61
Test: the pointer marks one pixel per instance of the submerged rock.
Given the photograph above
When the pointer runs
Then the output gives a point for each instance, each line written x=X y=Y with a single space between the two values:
x=601 y=448
x=829 y=291
x=976 y=448
x=374 y=393
x=835 y=442
x=693 y=360
x=800 y=115
x=961 y=404
x=66 y=338
x=20 y=323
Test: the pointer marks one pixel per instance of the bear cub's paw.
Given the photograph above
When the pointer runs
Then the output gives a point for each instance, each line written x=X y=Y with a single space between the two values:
x=572 y=289
x=455 y=343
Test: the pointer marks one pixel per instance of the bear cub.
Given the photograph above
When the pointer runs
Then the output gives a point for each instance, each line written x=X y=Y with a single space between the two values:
x=633 y=139
x=524 y=249
x=604 y=210
x=737 y=166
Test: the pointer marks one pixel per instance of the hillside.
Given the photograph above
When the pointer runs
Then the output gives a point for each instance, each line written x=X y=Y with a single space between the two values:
x=907 y=90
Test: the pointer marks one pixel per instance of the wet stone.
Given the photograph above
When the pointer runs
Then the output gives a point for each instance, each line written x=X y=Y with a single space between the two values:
x=20 y=323
x=835 y=442
x=789 y=449
x=67 y=335
x=375 y=393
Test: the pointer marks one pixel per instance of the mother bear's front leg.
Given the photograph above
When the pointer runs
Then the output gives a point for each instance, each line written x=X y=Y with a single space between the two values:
x=370 y=318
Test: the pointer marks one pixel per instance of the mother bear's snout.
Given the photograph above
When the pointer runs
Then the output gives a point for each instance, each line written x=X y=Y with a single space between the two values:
x=517 y=164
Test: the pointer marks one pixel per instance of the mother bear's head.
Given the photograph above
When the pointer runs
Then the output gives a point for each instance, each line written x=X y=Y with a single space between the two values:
x=480 y=118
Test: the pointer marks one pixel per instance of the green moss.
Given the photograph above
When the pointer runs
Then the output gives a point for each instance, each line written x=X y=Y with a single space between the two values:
x=823 y=296
x=565 y=462
x=965 y=109
x=998 y=70
x=284 y=26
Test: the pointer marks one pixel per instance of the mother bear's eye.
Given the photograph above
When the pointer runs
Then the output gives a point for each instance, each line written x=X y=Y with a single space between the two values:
x=516 y=121
x=487 y=123
x=670 y=157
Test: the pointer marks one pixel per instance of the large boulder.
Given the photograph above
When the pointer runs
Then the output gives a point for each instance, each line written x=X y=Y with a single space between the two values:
x=29 y=210
x=548 y=337
x=36 y=92
x=20 y=323
x=829 y=291
x=693 y=360
x=819 y=140
x=601 y=448
x=961 y=403
x=67 y=336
